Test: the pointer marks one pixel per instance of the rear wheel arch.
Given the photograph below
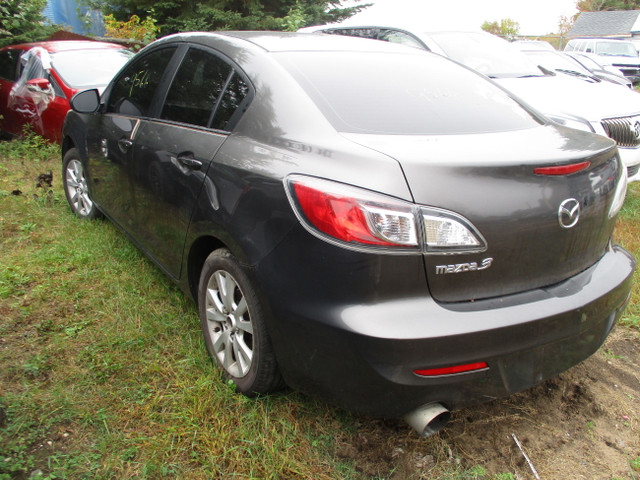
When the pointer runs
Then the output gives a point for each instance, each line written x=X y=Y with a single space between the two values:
x=199 y=250
x=198 y=253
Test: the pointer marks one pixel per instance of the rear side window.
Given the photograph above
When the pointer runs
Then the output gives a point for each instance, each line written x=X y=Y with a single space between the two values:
x=134 y=90
x=229 y=108
x=206 y=92
x=196 y=88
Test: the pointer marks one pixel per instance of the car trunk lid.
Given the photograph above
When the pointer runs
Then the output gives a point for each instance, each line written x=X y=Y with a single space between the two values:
x=540 y=228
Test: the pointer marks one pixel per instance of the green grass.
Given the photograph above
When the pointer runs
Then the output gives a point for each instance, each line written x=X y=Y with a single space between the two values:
x=103 y=372
x=628 y=235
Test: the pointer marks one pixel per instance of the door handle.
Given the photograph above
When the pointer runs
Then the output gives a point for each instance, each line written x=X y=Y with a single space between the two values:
x=125 y=144
x=188 y=161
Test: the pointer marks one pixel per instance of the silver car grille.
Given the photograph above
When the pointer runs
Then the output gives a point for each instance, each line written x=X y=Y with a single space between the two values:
x=624 y=130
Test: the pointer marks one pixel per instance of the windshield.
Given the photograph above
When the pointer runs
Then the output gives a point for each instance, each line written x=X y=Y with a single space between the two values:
x=89 y=68
x=588 y=62
x=555 y=61
x=486 y=54
x=414 y=94
x=622 y=49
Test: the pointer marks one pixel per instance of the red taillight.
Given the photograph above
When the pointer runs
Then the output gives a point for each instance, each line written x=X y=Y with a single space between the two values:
x=435 y=372
x=562 y=169
x=353 y=216
x=336 y=215
x=364 y=220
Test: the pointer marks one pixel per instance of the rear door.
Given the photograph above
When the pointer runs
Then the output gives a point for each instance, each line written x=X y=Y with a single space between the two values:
x=172 y=151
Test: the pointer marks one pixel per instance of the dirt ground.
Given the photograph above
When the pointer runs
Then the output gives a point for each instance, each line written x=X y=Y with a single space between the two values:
x=583 y=424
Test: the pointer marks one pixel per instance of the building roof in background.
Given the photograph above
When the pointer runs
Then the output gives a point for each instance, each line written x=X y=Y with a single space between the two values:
x=619 y=23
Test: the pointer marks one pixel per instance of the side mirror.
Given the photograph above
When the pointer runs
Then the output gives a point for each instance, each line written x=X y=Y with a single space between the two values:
x=87 y=101
x=38 y=84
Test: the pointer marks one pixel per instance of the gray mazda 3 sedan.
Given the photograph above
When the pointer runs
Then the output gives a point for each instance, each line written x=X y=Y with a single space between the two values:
x=369 y=223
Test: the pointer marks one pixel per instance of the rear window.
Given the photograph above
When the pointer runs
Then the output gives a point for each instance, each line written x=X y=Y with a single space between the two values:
x=393 y=93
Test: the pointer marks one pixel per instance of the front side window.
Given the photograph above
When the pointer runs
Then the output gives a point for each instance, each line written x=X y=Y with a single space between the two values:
x=134 y=90
x=34 y=67
x=56 y=87
x=196 y=88
x=9 y=64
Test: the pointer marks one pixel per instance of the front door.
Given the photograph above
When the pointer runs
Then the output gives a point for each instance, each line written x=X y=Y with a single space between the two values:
x=111 y=167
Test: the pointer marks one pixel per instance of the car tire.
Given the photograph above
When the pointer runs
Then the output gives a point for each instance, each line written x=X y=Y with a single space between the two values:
x=232 y=321
x=76 y=186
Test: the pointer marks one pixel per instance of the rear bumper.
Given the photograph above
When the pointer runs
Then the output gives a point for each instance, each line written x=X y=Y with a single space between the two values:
x=362 y=355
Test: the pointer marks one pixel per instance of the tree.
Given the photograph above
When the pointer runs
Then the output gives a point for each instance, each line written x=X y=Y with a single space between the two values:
x=208 y=15
x=565 y=24
x=22 y=21
x=607 y=5
x=505 y=28
x=143 y=31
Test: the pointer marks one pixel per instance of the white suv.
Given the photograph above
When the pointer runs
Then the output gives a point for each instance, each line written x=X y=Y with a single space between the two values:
x=621 y=54
x=603 y=108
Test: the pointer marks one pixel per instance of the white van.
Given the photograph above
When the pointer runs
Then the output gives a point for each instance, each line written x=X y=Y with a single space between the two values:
x=621 y=54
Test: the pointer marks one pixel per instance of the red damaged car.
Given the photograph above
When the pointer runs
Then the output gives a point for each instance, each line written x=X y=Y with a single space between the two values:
x=37 y=80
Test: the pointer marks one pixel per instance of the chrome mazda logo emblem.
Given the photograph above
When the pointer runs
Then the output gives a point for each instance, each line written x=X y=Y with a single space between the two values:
x=569 y=213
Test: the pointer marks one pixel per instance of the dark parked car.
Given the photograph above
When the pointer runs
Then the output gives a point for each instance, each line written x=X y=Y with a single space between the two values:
x=37 y=80
x=369 y=223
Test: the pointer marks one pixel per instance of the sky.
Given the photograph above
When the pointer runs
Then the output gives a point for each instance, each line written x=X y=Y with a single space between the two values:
x=536 y=17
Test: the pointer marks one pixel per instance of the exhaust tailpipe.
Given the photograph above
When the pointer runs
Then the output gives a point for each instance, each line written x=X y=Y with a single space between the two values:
x=428 y=419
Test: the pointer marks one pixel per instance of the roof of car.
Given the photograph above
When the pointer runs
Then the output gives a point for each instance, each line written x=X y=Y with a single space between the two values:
x=65 y=45
x=291 y=41
x=598 y=39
